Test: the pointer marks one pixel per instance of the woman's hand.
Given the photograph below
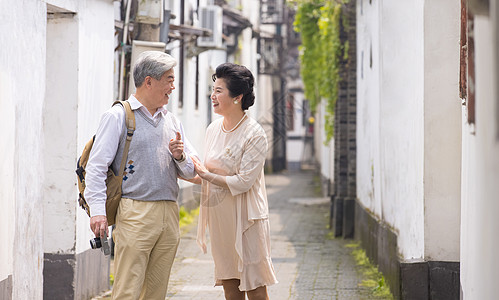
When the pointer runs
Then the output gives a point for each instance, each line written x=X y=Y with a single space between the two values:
x=207 y=175
x=199 y=167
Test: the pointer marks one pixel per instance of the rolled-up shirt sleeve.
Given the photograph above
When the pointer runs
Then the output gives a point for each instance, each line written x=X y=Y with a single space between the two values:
x=101 y=157
x=252 y=162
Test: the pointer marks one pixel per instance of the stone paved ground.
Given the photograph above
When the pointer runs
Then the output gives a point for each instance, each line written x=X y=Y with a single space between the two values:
x=309 y=264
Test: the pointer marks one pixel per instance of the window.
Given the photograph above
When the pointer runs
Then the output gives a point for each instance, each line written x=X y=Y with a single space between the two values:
x=270 y=50
x=467 y=62
x=271 y=11
x=469 y=9
x=290 y=113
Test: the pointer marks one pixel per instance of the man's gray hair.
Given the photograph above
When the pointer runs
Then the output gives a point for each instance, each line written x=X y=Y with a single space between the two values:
x=152 y=63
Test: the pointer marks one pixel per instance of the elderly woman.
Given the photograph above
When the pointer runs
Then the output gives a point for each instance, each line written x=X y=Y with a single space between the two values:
x=234 y=201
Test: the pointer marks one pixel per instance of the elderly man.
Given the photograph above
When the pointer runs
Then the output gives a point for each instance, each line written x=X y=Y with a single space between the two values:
x=147 y=223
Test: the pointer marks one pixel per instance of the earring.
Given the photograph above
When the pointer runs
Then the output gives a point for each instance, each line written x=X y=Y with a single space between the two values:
x=236 y=102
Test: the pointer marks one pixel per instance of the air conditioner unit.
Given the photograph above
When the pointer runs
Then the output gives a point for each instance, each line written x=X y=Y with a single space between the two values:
x=211 y=17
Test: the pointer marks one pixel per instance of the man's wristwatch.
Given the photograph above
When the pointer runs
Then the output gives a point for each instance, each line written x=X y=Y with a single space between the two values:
x=182 y=158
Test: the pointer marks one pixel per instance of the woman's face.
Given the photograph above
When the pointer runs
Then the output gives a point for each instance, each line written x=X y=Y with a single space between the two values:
x=222 y=102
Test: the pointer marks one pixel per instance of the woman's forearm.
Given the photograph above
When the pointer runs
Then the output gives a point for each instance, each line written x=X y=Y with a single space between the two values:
x=215 y=179
x=195 y=180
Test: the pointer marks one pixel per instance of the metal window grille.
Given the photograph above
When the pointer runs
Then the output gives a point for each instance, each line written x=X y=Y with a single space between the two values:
x=210 y=17
x=269 y=50
x=272 y=11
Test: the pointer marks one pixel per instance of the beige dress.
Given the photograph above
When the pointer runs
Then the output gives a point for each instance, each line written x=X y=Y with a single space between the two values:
x=237 y=218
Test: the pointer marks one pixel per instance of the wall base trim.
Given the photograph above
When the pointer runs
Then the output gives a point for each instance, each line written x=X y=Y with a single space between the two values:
x=81 y=276
x=92 y=275
x=58 y=276
x=407 y=280
x=6 y=288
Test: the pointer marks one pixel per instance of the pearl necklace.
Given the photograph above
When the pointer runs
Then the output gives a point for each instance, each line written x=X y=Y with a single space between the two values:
x=235 y=127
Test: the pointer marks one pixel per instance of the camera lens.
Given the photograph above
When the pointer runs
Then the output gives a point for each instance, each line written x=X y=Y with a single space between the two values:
x=95 y=243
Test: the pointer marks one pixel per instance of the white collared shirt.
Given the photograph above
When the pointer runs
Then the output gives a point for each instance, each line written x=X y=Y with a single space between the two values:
x=104 y=150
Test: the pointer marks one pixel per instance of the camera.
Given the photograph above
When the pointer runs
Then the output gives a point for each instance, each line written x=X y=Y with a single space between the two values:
x=101 y=243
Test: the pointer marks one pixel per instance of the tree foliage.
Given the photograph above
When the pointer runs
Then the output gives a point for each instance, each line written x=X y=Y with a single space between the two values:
x=321 y=52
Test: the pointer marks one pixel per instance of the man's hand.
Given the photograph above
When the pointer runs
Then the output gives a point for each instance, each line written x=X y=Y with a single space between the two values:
x=98 y=224
x=177 y=147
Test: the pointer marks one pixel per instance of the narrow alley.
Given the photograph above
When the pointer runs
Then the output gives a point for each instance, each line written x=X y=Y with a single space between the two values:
x=394 y=103
x=309 y=264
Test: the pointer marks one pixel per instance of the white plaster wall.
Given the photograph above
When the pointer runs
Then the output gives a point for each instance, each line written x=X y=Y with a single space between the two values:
x=95 y=85
x=173 y=49
x=325 y=151
x=368 y=106
x=442 y=123
x=69 y=5
x=298 y=115
x=208 y=62
x=319 y=138
x=401 y=122
x=249 y=58
x=8 y=94
x=59 y=125
x=390 y=101
x=264 y=96
x=480 y=189
x=188 y=113
x=295 y=149
x=7 y=154
x=250 y=10
x=196 y=130
x=117 y=54
x=22 y=95
x=22 y=74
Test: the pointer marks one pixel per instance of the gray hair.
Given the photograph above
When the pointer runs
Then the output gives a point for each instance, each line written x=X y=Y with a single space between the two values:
x=152 y=63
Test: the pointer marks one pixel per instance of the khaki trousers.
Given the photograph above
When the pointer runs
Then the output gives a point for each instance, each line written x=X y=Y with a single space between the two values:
x=146 y=240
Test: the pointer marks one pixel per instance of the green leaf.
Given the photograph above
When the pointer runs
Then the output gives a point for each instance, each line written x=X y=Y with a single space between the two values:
x=321 y=53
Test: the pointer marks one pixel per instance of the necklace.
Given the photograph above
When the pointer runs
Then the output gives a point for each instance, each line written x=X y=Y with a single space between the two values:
x=235 y=127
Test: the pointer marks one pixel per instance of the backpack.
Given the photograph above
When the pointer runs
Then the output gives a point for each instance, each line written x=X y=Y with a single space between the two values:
x=113 y=182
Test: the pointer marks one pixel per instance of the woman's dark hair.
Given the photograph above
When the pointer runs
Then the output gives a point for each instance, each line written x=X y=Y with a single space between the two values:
x=239 y=80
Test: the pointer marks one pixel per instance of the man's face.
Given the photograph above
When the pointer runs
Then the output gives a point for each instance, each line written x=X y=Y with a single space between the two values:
x=162 y=88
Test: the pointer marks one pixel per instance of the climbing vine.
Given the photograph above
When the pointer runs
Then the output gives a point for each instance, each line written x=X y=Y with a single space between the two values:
x=321 y=52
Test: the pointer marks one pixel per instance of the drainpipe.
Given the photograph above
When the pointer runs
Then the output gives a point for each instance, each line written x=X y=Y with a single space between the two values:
x=122 y=60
